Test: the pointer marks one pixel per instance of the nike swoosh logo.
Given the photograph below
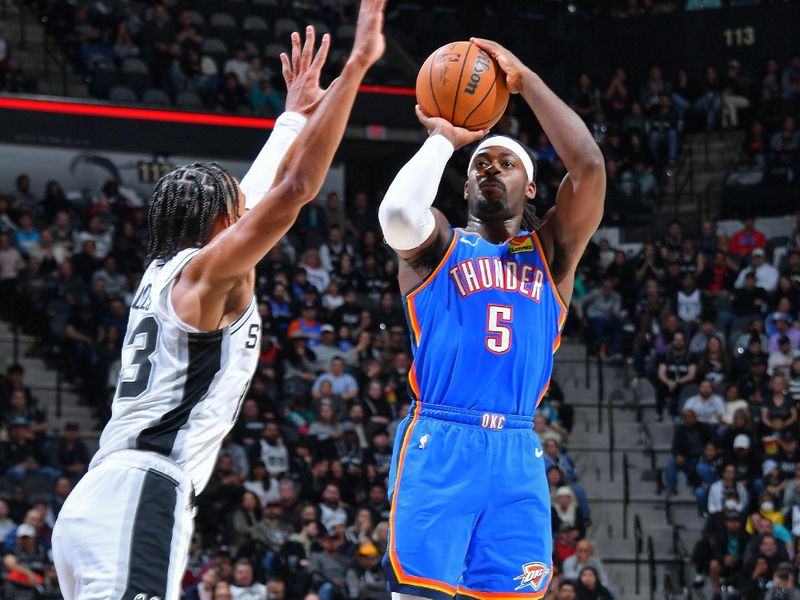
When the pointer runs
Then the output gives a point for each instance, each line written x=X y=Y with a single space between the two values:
x=538 y=453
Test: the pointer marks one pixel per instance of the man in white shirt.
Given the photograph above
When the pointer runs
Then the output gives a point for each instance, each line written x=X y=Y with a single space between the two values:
x=244 y=588
x=766 y=275
x=708 y=406
x=238 y=65
x=780 y=361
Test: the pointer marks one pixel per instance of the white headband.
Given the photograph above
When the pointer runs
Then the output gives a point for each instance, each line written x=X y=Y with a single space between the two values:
x=509 y=144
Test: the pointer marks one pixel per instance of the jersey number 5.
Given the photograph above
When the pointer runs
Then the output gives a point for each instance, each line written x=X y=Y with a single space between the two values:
x=133 y=379
x=498 y=319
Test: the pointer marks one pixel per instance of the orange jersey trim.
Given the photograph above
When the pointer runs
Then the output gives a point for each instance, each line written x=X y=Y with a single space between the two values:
x=506 y=595
x=542 y=393
x=412 y=381
x=563 y=316
x=438 y=268
x=393 y=557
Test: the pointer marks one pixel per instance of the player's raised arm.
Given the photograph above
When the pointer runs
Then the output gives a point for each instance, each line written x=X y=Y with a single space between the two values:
x=579 y=202
x=231 y=255
x=416 y=231
x=303 y=95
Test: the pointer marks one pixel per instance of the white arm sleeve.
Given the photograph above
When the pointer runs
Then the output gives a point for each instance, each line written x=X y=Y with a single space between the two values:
x=258 y=180
x=405 y=213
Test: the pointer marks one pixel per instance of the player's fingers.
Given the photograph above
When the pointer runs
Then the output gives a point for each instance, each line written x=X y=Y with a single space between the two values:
x=491 y=47
x=475 y=136
x=308 y=48
x=286 y=68
x=295 y=52
x=322 y=53
x=423 y=118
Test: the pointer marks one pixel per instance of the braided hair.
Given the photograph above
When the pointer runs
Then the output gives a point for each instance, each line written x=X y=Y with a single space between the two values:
x=185 y=205
x=530 y=221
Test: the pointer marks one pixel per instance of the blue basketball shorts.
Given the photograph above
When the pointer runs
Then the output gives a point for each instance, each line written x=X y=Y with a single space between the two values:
x=470 y=507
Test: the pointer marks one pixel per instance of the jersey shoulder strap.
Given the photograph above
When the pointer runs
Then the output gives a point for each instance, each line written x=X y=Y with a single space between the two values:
x=161 y=291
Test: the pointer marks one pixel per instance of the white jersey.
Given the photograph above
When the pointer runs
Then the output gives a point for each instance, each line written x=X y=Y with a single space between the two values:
x=179 y=390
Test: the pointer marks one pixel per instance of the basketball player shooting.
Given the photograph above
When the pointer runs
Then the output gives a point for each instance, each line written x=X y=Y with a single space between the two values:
x=194 y=337
x=470 y=512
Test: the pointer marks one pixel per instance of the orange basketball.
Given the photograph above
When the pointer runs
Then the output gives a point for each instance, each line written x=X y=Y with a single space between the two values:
x=463 y=84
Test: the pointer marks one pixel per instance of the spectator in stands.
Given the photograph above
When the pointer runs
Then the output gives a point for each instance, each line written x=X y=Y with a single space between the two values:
x=766 y=275
x=187 y=36
x=782 y=322
x=589 y=586
x=735 y=89
x=783 y=584
x=714 y=363
x=328 y=569
x=244 y=585
x=708 y=407
x=664 y=132
x=343 y=384
x=238 y=64
x=727 y=550
x=675 y=369
x=688 y=441
x=567 y=590
x=22 y=456
x=584 y=556
x=786 y=140
x=29 y=569
x=265 y=99
x=273 y=452
x=780 y=361
x=157 y=37
x=706 y=473
x=11 y=265
x=586 y=100
x=778 y=411
x=759 y=569
x=708 y=104
x=688 y=302
x=749 y=300
x=744 y=241
x=231 y=95
x=365 y=578
x=602 y=307
x=70 y=453
x=728 y=493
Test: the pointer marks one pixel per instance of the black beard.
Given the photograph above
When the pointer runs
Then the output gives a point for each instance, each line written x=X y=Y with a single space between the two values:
x=490 y=205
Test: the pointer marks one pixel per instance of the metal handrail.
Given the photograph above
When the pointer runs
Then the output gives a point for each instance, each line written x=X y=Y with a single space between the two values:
x=626 y=496
x=600 y=393
x=638 y=539
x=651 y=564
x=610 y=417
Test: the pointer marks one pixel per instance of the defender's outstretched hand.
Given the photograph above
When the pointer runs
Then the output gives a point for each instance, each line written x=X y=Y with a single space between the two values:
x=369 y=43
x=458 y=136
x=301 y=73
x=513 y=67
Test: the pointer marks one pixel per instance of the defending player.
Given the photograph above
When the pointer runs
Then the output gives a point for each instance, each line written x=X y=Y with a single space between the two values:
x=192 y=345
x=470 y=503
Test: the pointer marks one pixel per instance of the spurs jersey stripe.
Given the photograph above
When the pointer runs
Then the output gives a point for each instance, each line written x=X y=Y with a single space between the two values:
x=179 y=389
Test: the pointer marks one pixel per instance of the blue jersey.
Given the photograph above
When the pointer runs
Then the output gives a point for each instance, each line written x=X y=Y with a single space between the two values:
x=485 y=325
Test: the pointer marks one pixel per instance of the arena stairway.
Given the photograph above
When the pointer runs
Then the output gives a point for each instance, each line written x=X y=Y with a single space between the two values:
x=614 y=428
x=45 y=383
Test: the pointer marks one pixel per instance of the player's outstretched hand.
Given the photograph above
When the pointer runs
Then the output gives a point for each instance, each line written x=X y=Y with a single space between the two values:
x=458 y=136
x=302 y=72
x=512 y=66
x=369 y=43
